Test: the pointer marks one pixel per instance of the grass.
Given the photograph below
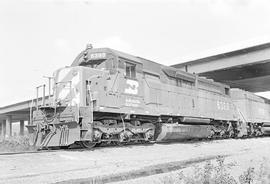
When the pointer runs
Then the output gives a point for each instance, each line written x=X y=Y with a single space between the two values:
x=15 y=144
x=218 y=172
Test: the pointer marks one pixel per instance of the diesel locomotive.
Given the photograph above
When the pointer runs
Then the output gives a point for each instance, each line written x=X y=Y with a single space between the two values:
x=110 y=97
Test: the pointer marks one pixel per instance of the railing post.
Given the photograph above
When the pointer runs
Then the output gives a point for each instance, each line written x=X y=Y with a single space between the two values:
x=37 y=99
x=43 y=97
x=50 y=85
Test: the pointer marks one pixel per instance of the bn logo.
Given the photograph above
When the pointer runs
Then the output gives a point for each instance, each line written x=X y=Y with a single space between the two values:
x=132 y=87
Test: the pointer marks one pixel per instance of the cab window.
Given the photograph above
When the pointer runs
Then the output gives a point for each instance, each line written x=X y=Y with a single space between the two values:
x=130 y=70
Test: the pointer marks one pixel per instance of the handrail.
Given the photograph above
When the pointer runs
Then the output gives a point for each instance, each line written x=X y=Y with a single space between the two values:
x=43 y=97
x=49 y=83
x=31 y=109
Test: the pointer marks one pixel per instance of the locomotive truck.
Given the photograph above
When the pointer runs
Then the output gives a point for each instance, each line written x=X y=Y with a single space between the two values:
x=110 y=97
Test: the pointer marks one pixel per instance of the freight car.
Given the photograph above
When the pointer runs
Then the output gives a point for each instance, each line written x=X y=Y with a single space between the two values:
x=111 y=97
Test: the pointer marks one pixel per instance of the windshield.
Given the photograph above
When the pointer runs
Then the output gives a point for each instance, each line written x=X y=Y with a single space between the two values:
x=98 y=64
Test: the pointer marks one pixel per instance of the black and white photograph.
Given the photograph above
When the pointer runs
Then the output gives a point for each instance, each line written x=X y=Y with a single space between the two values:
x=135 y=91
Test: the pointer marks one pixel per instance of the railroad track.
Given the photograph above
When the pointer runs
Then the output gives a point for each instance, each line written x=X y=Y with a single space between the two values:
x=26 y=152
x=116 y=146
x=69 y=149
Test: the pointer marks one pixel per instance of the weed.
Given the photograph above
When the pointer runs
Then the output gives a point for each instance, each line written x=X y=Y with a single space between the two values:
x=16 y=143
x=210 y=174
x=247 y=177
x=218 y=172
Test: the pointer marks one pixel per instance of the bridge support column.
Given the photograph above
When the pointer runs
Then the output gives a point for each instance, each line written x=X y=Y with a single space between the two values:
x=21 y=127
x=9 y=126
x=1 y=129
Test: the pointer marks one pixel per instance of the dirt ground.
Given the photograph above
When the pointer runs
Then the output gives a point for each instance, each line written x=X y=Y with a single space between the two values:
x=82 y=166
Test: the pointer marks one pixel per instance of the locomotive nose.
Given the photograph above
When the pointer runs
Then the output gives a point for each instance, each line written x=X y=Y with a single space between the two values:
x=67 y=86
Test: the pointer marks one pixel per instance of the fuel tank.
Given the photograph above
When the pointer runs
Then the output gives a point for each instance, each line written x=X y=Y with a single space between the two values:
x=266 y=130
x=191 y=120
x=176 y=132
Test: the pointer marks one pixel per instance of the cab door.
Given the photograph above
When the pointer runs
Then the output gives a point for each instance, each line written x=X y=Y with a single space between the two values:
x=132 y=86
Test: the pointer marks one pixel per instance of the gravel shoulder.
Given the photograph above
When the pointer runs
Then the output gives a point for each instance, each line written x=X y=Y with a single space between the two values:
x=52 y=167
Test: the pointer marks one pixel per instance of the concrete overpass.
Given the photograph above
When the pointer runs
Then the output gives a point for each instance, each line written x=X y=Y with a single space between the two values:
x=246 y=68
x=18 y=112
x=14 y=113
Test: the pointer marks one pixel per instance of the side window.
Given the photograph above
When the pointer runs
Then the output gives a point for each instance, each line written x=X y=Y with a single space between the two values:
x=130 y=70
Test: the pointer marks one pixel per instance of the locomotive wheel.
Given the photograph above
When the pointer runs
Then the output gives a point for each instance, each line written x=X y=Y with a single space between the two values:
x=118 y=143
x=88 y=144
x=98 y=144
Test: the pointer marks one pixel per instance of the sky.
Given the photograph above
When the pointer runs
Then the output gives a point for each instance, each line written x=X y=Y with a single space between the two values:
x=38 y=37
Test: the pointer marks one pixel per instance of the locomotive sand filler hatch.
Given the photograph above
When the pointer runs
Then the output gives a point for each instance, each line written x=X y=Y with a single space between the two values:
x=111 y=97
